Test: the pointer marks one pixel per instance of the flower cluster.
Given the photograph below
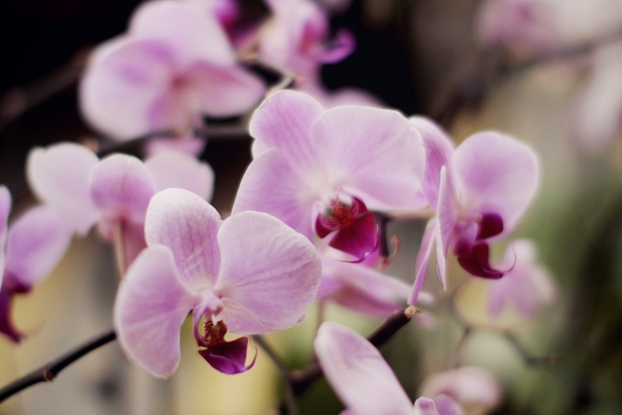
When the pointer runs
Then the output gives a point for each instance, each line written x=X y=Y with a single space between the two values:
x=303 y=226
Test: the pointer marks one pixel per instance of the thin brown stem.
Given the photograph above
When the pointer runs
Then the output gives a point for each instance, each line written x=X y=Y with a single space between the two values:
x=50 y=371
x=303 y=379
x=530 y=360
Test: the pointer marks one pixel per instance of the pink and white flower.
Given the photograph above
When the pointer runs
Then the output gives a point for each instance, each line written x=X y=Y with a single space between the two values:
x=320 y=171
x=174 y=66
x=249 y=274
x=479 y=191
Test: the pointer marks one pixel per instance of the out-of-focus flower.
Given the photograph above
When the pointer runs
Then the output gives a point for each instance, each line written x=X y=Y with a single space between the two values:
x=469 y=386
x=319 y=171
x=249 y=274
x=364 y=381
x=114 y=192
x=543 y=25
x=35 y=243
x=193 y=146
x=526 y=286
x=174 y=65
x=595 y=118
x=5 y=209
x=298 y=38
x=479 y=192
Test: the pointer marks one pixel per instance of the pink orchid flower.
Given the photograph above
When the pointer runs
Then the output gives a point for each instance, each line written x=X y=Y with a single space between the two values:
x=472 y=386
x=174 y=65
x=321 y=171
x=30 y=250
x=479 y=191
x=364 y=381
x=249 y=274
x=113 y=193
x=526 y=286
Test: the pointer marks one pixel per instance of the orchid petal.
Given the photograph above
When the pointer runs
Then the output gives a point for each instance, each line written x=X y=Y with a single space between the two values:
x=36 y=242
x=123 y=93
x=5 y=209
x=271 y=186
x=121 y=187
x=478 y=263
x=464 y=385
x=283 y=121
x=372 y=153
x=359 y=239
x=59 y=177
x=193 y=146
x=187 y=225
x=267 y=267
x=427 y=243
x=176 y=169
x=150 y=309
x=445 y=223
x=497 y=174
x=229 y=357
x=193 y=35
x=133 y=240
x=340 y=48
x=364 y=290
x=425 y=406
x=225 y=91
x=438 y=151
x=357 y=372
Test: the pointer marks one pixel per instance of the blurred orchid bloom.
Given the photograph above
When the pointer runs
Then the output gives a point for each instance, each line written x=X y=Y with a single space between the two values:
x=479 y=192
x=594 y=119
x=544 y=25
x=527 y=285
x=35 y=243
x=320 y=171
x=364 y=381
x=297 y=38
x=469 y=386
x=249 y=274
x=114 y=192
x=193 y=146
x=174 y=65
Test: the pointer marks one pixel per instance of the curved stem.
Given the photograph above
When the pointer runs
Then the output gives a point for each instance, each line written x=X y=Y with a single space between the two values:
x=49 y=371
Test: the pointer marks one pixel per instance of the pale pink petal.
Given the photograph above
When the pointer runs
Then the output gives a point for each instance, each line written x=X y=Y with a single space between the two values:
x=425 y=406
x=446 y=221
x=357 y=372
x=59 y=176
x=193 y=146
x=225 y=91
x=176 y=169
x=191 y=33
x=150 y=308
x=133 y=240
x=187 y=225
x=427 y=243
x=36 y=242
x=121 y=188
x=438 y=152
x=270 y=185
x=240 y=319
x=373 y=153
x=283 y=122
x=496 y=174
x=122 y=93
x=465 y=385
x=363 y=289
x=267 y=267
x=5 y=209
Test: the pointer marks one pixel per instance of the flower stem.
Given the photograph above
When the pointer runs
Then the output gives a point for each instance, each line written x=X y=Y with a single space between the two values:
x=49 y=371
x=119 y=250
